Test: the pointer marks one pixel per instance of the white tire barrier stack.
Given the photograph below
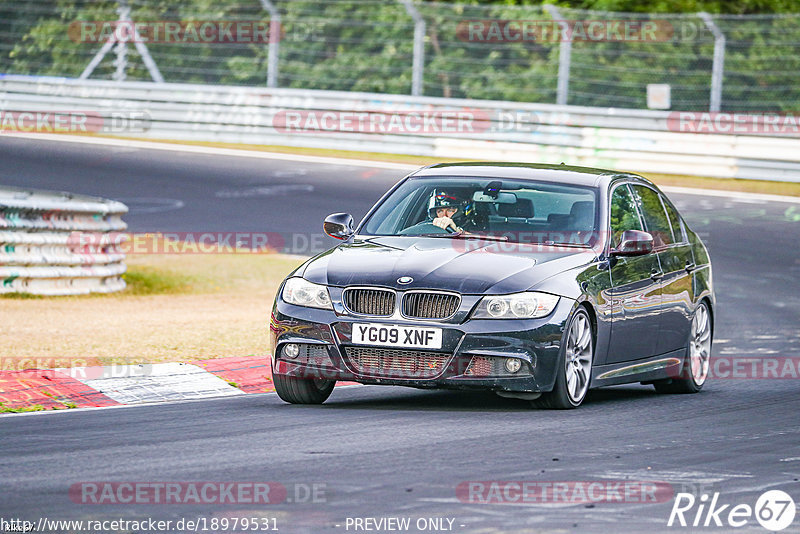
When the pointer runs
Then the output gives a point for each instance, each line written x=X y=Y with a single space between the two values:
x=59 y=243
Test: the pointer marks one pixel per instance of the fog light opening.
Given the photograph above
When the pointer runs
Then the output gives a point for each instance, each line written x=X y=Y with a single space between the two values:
x=513 y=365
x=291 y=350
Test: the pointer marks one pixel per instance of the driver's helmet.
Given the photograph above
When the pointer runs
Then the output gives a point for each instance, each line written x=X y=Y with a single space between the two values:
x=443 y=199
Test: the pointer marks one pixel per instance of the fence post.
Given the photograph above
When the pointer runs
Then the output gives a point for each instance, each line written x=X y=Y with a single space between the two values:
x=121 y=61
x=121 y=48
x=418 y=65
x=718 y=65
x=274 y=42
x=564 y=55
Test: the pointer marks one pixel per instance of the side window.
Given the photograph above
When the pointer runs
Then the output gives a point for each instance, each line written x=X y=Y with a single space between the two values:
x=623 y=213
x=674 y=221
x=654 y=216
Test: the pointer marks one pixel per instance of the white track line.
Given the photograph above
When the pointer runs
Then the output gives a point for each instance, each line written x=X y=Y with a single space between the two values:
x=199 y=149
x=329 y=160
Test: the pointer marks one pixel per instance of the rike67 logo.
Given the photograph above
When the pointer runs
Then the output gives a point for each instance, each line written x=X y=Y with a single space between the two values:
x=774 y=510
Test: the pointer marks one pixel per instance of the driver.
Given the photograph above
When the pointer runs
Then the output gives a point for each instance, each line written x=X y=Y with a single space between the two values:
x=445 y=212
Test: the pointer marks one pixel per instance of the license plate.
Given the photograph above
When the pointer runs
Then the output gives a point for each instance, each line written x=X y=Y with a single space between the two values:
x=389 y=335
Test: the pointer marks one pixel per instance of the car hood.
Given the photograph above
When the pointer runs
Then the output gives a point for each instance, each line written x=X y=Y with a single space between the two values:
x=463 y=265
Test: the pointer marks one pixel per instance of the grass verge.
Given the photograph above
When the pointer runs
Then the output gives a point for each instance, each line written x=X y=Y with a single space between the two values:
x=146 y=280
x=176 y=308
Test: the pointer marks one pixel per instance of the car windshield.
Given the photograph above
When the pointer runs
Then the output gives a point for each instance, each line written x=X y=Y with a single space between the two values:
x=520 y=211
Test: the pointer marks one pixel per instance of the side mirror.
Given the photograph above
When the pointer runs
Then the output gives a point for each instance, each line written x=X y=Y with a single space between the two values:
x=634 y=243
x=339 y=225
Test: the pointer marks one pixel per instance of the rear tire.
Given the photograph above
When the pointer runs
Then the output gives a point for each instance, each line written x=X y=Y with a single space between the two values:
x=302 y=390
x=574 y=369
x=694 y=369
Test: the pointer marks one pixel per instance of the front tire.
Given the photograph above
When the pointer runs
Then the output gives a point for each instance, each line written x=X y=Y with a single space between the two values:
x=574 y=370
x=694 y=369
x=303 y=390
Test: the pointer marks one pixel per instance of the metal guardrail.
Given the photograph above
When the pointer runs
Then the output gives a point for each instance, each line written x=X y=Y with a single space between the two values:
x=45 y=248
x=637 y=140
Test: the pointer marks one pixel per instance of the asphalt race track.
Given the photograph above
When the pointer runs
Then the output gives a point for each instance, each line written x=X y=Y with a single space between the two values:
x=394 y=452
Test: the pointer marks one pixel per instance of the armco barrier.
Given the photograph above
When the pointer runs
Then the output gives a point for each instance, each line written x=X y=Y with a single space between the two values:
x=40 y=248
x=638 y=140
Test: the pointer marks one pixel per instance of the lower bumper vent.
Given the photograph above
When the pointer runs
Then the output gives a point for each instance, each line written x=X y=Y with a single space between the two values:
x=396 y=363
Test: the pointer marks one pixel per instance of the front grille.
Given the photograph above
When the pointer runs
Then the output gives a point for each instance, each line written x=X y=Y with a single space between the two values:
x=396 y=363
x=370 y=301
x=424 y=305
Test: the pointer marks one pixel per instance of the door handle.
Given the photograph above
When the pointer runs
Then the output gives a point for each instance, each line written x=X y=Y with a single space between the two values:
x=690 y=266
x=655 y=275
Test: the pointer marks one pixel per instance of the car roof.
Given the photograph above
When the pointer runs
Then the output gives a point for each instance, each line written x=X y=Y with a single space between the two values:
x=564 y=174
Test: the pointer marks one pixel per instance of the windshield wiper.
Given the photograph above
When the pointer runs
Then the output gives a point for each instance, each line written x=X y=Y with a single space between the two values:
x=556 y=244
x=462 y=235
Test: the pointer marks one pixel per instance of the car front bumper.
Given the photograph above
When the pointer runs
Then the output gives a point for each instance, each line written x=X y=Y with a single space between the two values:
x=535 y=342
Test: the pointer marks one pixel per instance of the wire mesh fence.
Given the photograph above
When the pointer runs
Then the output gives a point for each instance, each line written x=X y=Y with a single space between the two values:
x=515 y=53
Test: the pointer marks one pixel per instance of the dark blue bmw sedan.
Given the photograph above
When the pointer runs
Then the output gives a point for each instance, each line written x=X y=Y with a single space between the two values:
x=534 y=281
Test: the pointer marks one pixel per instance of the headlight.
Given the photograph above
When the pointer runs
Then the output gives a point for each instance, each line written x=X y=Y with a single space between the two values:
x=301 y=292
x=528 y=305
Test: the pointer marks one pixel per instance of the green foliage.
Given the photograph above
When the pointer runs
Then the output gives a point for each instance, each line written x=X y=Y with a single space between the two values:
x=20 y=296
x=366 y=45
x=149 y=281
x=43 y=45
x=623 y=213
x=737 y=7
x=23 y=409
x=343 y=45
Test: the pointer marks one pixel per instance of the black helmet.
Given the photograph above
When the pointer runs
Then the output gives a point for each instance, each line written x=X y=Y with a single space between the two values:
x=442 y=199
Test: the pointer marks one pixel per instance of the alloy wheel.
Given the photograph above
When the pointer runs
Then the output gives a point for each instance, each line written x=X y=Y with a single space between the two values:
x=700 y=345
x=578 y=359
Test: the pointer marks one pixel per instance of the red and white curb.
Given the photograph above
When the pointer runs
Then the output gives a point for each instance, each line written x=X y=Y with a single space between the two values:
x=134 y=384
